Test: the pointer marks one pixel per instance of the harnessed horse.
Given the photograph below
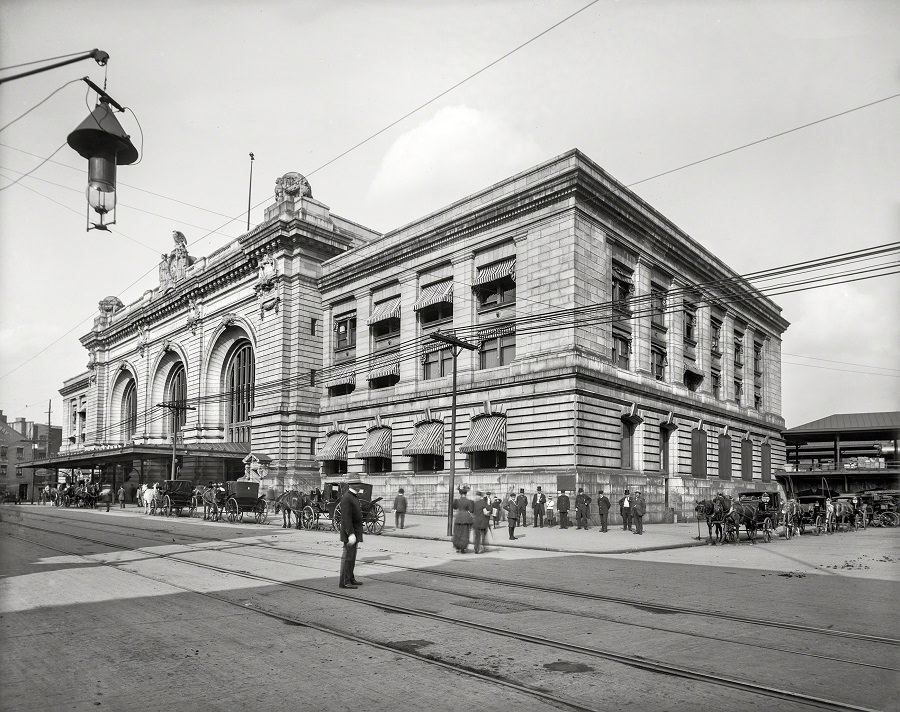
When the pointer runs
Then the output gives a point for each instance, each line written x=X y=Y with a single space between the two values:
x=736 y=513
x=149 y=497
x=705 y=509
x=213 y=501
x=793 y=515
x=291 y=502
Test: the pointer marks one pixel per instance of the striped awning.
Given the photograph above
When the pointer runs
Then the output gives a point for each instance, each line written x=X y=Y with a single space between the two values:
x=428 y=439
x=341 y=378
x=389 y=309
x=385 y=367
x=335 y=447
x=378 y=444
x=495 y=271
x=434 y=294
x=493 y=332
x=487 y=433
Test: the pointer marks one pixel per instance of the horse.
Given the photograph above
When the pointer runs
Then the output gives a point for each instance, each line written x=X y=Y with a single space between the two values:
x=738 y=513
x=793 y=515
x=291 y=502
x=213 y=501
x=149 y=496
x=705 y=509
x=844 y=513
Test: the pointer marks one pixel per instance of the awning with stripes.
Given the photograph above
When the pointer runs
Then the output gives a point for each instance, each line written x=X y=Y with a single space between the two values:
x=341 y=378
x=335 y=447
x=428 y=439
x=389 y=309
x=488 y=433
x=434 y=294
x=378 y=444
x=385 y=367
x=493 y=332
x=495 y=271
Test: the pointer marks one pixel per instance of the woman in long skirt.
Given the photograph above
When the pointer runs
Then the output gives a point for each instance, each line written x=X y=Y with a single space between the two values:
x=463 y=516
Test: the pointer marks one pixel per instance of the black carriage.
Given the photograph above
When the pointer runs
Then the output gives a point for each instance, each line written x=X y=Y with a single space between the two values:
x=326 y=506
x=812 y=513
x=176 y=496
x=769 y=505
x=243 y=497
x=883 y=507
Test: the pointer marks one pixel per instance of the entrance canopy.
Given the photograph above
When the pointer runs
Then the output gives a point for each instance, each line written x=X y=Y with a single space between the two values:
x=87 y=459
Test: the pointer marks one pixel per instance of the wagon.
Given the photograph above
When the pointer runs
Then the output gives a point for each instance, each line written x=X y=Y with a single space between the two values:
x=812 y=513
x=326 y=506
x=176 y=496
x=243 y=497
x=768 y=512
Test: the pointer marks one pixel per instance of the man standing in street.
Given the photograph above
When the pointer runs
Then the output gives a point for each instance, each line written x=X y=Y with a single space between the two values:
x=399 y=509
x=482 y=516
x=625 y=511
x=122 y=497
x=582 y=509
x=522 y=507
x=638 y=507
x=512 y=515
x=538 y=500
x=351 y=535
x=603 y=505
x=562 y=506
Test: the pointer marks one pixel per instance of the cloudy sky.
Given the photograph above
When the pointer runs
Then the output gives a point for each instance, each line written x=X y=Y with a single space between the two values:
x=641 y=87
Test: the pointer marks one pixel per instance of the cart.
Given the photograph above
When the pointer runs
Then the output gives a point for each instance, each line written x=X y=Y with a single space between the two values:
x=768 y=512
x=812 y=513
x=327 y=507
x=176 y=496
x=243 y=497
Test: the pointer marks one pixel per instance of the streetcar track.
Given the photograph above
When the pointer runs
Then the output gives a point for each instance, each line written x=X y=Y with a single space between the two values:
x=639 y=662
x=633 y=603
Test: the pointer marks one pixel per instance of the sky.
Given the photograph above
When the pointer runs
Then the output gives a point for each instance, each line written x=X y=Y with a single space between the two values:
x=641 y=88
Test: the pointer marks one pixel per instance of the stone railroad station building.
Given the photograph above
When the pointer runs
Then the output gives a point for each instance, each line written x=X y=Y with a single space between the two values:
x=604 y=348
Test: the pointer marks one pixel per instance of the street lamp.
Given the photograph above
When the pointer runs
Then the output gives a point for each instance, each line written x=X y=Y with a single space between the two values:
x=456 y=347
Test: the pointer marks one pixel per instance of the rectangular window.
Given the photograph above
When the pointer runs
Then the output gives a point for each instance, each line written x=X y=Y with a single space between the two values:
x=738 y=390
x=498 y=351
x=698 y=453
x=3 y=451
x=622 y=287
x=2 y=470
x=488 y=460
x=436 y=314
x=384 y=330
x=658 y=305
x=621 y=350
x=715 y=380
x=757 y=359
x=437 y=363
x=716 y=332
x=738 y=350
x=20 y=453
x=766 y=462
x=313 y=323
x=345 y=333
x=499 y=293
x=747 y=459
x=428 y=463
x=627 y=458
x=312 y=377
x=312 y=446
x=724 y=457
x=659 y=363
x=690 y=319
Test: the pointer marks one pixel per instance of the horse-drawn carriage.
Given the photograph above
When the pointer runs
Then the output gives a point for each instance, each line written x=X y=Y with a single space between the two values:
x=326 y=506
x=770 y=511
x=812 y=513
x=177 y=495
x=243 y=497
x=881 y=507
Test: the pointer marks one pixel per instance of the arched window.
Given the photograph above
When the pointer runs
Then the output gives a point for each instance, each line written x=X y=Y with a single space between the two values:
x=129 y=412
x=239 y=379
x=176 y=394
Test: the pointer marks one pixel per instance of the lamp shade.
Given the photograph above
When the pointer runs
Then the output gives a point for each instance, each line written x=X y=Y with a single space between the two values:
x=101 y=135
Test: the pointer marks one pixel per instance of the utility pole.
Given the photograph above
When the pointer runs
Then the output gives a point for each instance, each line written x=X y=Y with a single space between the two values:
x=456 y=347
x=176 y=407
x=250 y=191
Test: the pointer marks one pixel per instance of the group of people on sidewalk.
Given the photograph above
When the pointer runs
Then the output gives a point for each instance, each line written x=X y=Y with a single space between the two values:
x=477 y=515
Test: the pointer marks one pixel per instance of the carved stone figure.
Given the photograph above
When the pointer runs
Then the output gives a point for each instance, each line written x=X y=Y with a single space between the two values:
x=173 y=266
x=110 y=305
x=265 y=279
x=291 y=185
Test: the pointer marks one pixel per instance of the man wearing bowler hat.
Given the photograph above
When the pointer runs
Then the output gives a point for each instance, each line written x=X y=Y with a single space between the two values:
x=351 y=535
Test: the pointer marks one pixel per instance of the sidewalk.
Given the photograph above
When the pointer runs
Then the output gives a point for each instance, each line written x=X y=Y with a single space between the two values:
x=590 y=541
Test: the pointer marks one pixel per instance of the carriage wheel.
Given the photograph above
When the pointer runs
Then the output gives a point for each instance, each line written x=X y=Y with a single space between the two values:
x=261 y=513
x=307 y=518
x=820 y=524
x=374 y=521
x=788 y=528
x=193 y=507
x=167 y=506
x=336 y=518
x=890 y=519
x=767 y=530
x=231 y=509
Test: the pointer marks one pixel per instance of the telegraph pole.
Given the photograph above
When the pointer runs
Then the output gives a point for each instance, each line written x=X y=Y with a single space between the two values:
x=176 y=407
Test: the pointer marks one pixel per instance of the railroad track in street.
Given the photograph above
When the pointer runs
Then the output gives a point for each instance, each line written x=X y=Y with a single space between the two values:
x=716 y=679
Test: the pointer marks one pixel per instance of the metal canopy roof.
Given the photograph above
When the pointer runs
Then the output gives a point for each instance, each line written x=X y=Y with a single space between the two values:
x=848 y=426
x=89 y=458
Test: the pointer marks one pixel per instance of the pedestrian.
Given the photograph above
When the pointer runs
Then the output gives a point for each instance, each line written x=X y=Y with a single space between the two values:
x=351 y=536
x=399 y=510
x=482 y=518
x=638 y=507
x=122 y=497
x=582 y=509
x=522 y=508
x=625 y=510
x=551 y=511
x=462 y=520
x=512 y=515
x=562 y=506
x=603 y=504
x=538 y=502
x=829 y=515
x=496 y=510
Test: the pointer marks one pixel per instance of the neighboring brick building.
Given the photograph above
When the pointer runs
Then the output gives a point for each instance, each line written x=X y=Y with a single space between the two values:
x=22 y=442
x=612 y=350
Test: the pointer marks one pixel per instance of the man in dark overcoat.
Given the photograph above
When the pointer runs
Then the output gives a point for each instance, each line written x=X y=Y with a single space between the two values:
x=522 y=507
x=562 y=506
x=582 y=509
x=482 y=521
x=603 y=504
x=538 y=502
x=351 y=536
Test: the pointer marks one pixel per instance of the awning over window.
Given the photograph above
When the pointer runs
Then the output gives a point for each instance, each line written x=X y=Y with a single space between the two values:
x=428 y=439
x=389 y=309
x=385 y=367
x=378 y=444
x=495 y=271
x=487 y=433
x=341 y=378
x=435 y=294
x=493 y=332
x=691 y=369
x=335 y=447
